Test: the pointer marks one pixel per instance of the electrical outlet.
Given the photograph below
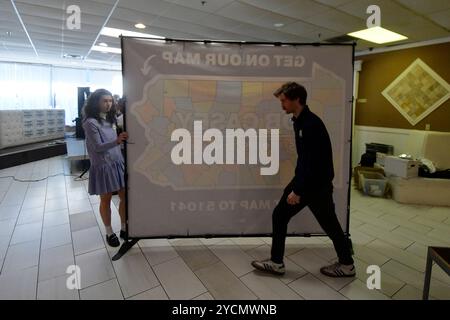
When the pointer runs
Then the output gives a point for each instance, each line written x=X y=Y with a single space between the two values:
x=427 y=127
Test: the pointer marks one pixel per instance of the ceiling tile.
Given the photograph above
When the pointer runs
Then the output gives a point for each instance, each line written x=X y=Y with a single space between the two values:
x=299 y=28
x=333 y=3
x=426 y=6
x=336 y=20
x=297 y=9
x=442 y=18
x=242 y=20
x=209 y=6
x=253 y=15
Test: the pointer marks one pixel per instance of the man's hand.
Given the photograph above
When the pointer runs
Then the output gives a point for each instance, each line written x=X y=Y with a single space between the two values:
x=293 y=199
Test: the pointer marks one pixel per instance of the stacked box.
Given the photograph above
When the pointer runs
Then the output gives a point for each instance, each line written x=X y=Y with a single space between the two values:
x=11 y=128
x=404 y=168
x=19 y=127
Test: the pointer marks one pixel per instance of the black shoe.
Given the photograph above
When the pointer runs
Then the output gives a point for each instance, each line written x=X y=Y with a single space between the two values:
x=123 y=234
x=112 y=240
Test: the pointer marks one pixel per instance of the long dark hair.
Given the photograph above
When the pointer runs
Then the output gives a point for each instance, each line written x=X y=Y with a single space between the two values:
x=91 y=108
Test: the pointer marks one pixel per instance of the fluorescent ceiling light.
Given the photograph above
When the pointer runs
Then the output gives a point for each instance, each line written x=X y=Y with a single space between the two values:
x=72 y=56
x=278 y=25
x=377 y=35
x=113 y=32
x=140 y=25
x=107 y=49
x=102 y=44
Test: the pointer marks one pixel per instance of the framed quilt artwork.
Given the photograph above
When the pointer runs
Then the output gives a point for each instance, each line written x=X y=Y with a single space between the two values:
x=417 y=92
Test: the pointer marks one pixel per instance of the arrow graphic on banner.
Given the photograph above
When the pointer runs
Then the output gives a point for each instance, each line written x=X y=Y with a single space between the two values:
x=147 y=67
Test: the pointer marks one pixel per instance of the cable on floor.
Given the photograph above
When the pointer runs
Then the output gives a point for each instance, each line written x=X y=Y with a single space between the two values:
x=42 y=179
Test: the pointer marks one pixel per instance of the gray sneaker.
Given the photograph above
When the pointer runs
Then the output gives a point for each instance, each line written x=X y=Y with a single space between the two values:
x=269 y=266
x=337 y=270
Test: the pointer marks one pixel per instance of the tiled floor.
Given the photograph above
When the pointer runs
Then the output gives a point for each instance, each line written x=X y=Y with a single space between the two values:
x=47 y=226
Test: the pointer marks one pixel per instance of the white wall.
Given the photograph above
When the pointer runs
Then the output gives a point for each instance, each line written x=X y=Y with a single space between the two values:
x=29 y=86
x=403 y=140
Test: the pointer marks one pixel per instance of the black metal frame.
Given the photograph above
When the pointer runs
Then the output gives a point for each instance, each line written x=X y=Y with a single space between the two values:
x=131 y=241
x=433 y=256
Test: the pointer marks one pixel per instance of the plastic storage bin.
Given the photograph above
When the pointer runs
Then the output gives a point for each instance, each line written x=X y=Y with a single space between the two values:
x=373 y=184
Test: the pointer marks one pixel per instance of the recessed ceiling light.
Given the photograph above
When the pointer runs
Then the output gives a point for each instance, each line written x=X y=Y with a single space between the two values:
x=378 y=35
x=102 y=44
x=107 y=49
x=278 y=25
x=140 y=26
x=113 y=32
x=72 y=56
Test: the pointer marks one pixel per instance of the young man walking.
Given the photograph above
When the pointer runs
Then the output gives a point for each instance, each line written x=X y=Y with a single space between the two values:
x=311 y=186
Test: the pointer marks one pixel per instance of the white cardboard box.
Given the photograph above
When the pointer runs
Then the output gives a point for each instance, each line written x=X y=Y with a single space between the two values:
x=404 y=168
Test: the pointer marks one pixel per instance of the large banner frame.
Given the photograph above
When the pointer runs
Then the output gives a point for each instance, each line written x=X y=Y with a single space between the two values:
x=135 y=188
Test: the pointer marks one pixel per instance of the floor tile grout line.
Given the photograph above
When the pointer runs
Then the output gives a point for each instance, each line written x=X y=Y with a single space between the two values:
x=289 y=285
x=336 y=290
x=70 y=226
x=97 y=284
x=202 y=294
x=370 y=242
x=165 y=261
x=153 y=270
x=423 y=274
x=313 y=273
x=438 y=230
x=16 y=224
x=404 y=285
x=9 y=185
x=152 y=288
x=219 y=260
x=409 y=228
x=178 y=256
x=40 y=240
x=89 y=251
x=223 y=262
x=207 y=288
x=384 y=231
x=274 y=277
x=292 y=261
x=377 y=290
x=239 y=277
x=406 y=249
x=103 y=240
x=115 y=273
x=435 y=239
x=14 y=229
x=105 y=245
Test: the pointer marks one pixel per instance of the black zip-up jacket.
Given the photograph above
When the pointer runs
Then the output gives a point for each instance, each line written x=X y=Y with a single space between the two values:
x=314 y=170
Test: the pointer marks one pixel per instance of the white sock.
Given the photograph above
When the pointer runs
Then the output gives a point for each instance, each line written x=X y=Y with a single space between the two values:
x=124 y=227
x=109 y=230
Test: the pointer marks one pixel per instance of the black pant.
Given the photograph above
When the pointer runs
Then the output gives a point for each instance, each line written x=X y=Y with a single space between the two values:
x=321 y=204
